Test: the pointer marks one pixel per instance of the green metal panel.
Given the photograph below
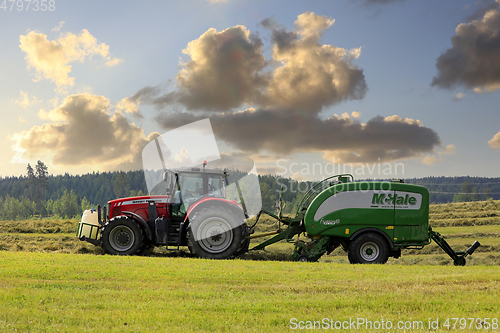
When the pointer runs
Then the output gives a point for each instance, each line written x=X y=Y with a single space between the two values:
x=399 y=210
x=346 y=208
x=412 y=224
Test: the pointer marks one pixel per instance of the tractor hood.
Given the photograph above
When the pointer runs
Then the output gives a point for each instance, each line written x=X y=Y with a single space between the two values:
x=139 y=200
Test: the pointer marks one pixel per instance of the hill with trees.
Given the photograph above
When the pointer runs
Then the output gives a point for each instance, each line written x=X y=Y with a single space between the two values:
x=40 y=194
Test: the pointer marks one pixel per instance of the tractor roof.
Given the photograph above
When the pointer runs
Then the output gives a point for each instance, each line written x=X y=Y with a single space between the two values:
x=202 y=171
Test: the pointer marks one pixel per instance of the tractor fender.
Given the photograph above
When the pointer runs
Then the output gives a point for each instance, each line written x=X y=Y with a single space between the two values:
x=208 y=201
x=229 y=205
x=378 y=231
x=141 y=221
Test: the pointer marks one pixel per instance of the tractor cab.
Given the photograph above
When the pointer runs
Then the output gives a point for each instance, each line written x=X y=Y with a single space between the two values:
x=187 y=187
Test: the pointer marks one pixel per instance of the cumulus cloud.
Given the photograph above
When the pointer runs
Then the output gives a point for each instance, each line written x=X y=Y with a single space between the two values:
x=227 y=70
x=51 y=59
x=84 y=131
x=343 y=138
x=223 y=72
x=495 y=141
x=258 y=105
x=312 y=75
x=473 y=60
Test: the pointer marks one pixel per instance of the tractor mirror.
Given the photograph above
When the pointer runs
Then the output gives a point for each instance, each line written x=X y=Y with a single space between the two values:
x=167 y=176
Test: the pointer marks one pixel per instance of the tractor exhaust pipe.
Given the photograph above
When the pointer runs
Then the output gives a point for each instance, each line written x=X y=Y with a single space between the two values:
x=473 y=247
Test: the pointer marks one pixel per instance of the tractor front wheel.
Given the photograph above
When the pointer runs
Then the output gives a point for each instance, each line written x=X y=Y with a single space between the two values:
x=368 y=248
x=122 y=236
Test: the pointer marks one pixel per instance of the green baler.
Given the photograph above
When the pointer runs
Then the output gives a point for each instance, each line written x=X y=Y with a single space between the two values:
x=372 y=221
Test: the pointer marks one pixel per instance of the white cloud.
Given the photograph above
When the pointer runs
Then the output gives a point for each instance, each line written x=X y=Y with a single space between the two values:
x=113 y=62
x=448 y=150
x=429 y=160
x=183 y=157
x=128 y=106
x=83 y=131
x=59 y=27
x=25 y=101
x=495 y=141
x=51 y=59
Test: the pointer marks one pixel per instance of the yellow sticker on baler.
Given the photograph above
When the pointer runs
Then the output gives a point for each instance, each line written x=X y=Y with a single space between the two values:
x=347 y=231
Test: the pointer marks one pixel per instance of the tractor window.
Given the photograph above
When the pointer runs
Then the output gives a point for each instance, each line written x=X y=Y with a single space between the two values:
x=191 y=185
x=215 y=186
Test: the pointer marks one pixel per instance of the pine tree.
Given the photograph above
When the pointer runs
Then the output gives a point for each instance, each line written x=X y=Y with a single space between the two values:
x=121 y=185
x=32 y=183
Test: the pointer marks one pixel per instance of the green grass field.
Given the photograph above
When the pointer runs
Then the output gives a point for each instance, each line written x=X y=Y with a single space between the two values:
x=51 y=282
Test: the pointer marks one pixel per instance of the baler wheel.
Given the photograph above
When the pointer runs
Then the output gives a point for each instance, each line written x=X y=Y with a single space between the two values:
x=122 y=236
x=303 y=258
x=368 y=248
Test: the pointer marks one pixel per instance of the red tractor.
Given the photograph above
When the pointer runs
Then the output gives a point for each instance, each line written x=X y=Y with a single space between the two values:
x=194 y=213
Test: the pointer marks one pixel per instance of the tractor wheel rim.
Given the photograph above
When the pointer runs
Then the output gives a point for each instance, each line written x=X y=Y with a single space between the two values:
x=121 y=238
x=215 y=235
x=369 y=251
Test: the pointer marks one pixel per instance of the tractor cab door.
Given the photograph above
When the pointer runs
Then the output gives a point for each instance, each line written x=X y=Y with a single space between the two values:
x=175 y=208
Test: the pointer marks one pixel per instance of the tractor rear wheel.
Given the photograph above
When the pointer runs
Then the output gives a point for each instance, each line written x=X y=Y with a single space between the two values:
x=216 y=233
x=368 y=248
x=122 y=236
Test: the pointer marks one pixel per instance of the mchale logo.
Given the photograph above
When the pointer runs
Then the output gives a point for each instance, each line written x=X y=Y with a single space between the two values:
x=381 y=199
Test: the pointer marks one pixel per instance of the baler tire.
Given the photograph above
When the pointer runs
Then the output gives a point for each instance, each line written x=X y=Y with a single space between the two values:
x=368 y=248
x=233 y=238
x=303 y=258
x=131 y=236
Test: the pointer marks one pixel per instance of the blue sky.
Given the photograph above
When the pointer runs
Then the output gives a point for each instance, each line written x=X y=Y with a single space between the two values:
x=118 y=49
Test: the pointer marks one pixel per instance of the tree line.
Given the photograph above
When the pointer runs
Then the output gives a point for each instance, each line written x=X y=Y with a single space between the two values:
x=39 y=194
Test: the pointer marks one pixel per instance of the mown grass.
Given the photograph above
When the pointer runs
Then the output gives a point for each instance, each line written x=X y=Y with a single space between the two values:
x=52 y=282
x=459 y=223
x=465 y=214
x=43 y=292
